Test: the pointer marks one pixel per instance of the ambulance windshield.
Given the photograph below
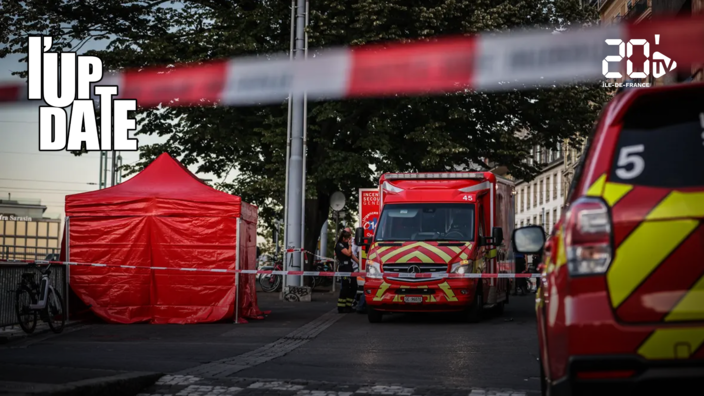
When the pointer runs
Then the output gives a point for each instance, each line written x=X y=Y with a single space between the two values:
x=426 y=222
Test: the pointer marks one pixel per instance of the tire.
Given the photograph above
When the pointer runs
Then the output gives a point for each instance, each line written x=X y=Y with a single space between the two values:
x=26 y=317
x=54 y=299
x=474 y=314
x=374 y=316
x=270 y=283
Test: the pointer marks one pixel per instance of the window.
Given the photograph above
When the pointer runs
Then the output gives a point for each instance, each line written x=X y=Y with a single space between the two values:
x=535 y=220
x=547 y=189
x=664 y=151
x=554 y=186
x=521 y=223
x=426 y=222
x=554 y=215
x=542 y=222
x=528 y=197
x=523 y=199
x=535 y=195
x=548 y=226
x=558 y=153
x=542 y=193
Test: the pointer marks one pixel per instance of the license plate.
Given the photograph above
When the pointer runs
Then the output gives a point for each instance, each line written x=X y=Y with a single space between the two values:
x=414 y=300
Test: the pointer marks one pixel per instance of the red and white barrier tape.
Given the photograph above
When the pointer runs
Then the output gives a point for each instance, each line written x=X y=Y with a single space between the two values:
x=487 y=62
x=274 y=272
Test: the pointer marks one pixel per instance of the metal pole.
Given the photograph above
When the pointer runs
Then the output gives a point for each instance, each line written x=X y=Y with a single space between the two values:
x=295 y=171
x=237 y=273
x=119 y=166
x=334 y=263
x=68 y=267
x=305 y=150
x=113 y=172
x=288 y=150
x=100 y=175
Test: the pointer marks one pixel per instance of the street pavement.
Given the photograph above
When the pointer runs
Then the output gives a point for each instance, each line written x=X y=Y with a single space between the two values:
x=300 y=349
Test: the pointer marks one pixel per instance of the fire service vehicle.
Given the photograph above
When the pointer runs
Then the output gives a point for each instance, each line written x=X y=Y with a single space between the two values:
x=439 y=244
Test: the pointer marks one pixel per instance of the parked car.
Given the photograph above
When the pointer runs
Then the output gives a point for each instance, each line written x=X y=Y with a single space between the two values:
x=620 y=308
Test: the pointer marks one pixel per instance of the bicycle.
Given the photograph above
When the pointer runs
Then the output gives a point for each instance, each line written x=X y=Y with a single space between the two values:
x=322 y=266
x=272 y=282
x=32 y=300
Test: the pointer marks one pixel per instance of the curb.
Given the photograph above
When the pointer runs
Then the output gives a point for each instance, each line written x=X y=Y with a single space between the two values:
x=20 y=334
x=117 y=385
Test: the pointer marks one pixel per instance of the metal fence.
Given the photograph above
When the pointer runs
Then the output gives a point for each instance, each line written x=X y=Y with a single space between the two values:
x=9 y=252
x=11 y=276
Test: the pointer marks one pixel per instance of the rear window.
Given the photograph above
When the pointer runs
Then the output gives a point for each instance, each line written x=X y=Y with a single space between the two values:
x=662 y=141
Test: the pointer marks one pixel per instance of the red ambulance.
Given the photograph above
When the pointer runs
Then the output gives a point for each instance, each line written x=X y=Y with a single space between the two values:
x=438 y=234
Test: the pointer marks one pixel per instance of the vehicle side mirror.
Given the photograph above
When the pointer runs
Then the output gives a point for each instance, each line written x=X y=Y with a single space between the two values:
x=359 y=236
x=497 y=233
x=528 y=240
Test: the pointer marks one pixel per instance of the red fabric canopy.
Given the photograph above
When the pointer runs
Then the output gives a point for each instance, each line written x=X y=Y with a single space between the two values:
x=163 y=217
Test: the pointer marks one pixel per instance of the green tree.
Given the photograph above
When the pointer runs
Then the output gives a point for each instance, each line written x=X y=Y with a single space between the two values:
x=349 y=142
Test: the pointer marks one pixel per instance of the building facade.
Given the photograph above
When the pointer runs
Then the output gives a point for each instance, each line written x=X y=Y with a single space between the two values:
x=540 y=201
x=25 y=234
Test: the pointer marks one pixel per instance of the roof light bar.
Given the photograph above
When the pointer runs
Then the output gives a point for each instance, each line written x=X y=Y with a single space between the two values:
x=446 y=175
x=391 y=188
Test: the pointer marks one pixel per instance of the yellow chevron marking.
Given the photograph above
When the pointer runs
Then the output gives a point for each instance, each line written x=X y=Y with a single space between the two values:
x=423 y=258
x=397 y=298
x=449 y=294
x=675 y=343
x=491 y=253
x=399 y=250
x=690 y=306
x=561 y=258
x=364 y=254
x=381 y=291
x=613 y=192
x=464 y=256
x=677 y=205
x=456 y=249
x=437 y=251
x=430 y=298
x=598 y=186
x=642 y=252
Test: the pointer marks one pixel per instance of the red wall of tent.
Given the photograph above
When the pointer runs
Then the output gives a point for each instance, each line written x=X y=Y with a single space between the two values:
x=162 y=217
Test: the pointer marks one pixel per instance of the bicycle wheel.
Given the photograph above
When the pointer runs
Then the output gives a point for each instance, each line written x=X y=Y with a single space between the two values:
x=55 y=311
x=26 y=316
x=269 y=283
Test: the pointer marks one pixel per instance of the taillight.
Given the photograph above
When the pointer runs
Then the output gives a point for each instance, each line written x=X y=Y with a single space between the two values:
x=588 y=237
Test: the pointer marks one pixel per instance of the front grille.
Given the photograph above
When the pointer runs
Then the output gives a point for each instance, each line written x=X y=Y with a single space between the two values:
x=414 y=268
x=418 y=291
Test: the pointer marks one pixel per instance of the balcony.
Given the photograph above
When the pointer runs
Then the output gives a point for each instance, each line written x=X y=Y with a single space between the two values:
x=636 y=9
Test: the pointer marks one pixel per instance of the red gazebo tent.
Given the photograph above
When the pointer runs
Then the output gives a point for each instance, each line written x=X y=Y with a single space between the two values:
x=163 y=217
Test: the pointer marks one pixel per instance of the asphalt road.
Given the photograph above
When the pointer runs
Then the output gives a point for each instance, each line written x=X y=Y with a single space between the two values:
x=414 y=350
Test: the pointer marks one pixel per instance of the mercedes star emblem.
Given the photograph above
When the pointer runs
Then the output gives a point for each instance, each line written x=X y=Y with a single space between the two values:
x=414 y=269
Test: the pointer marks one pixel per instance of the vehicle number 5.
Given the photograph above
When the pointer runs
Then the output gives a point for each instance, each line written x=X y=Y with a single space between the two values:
x=628 y=157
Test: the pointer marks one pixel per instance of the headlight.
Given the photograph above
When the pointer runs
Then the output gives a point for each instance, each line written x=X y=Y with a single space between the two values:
x=373 y=270
x=463 y=267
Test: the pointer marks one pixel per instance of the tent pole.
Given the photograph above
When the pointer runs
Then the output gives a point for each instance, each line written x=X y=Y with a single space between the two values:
x=237 y=269
x=67 y=271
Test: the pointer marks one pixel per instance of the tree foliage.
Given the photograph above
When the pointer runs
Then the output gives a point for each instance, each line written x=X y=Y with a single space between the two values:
x=349 y=143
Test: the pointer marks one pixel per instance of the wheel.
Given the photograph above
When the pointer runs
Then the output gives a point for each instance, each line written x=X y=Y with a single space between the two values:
x=374 y=316
x=55 y=311
x=270 y=283
x=474 y=314
x=26 y=317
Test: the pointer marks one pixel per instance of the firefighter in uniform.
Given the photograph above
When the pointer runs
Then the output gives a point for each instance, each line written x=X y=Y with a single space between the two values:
x=345 y=257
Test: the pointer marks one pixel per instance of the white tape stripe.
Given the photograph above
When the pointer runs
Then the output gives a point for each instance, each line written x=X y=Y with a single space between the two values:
x=257 y=80
x=510 y=60
x=305 y=273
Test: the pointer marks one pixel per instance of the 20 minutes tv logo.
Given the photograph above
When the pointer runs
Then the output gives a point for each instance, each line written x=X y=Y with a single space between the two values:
x=661 y=63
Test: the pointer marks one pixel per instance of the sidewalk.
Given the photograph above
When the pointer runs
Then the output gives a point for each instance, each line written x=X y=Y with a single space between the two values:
x=87 y=356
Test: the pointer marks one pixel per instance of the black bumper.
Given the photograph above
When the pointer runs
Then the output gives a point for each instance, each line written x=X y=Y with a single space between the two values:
x=671 y=377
